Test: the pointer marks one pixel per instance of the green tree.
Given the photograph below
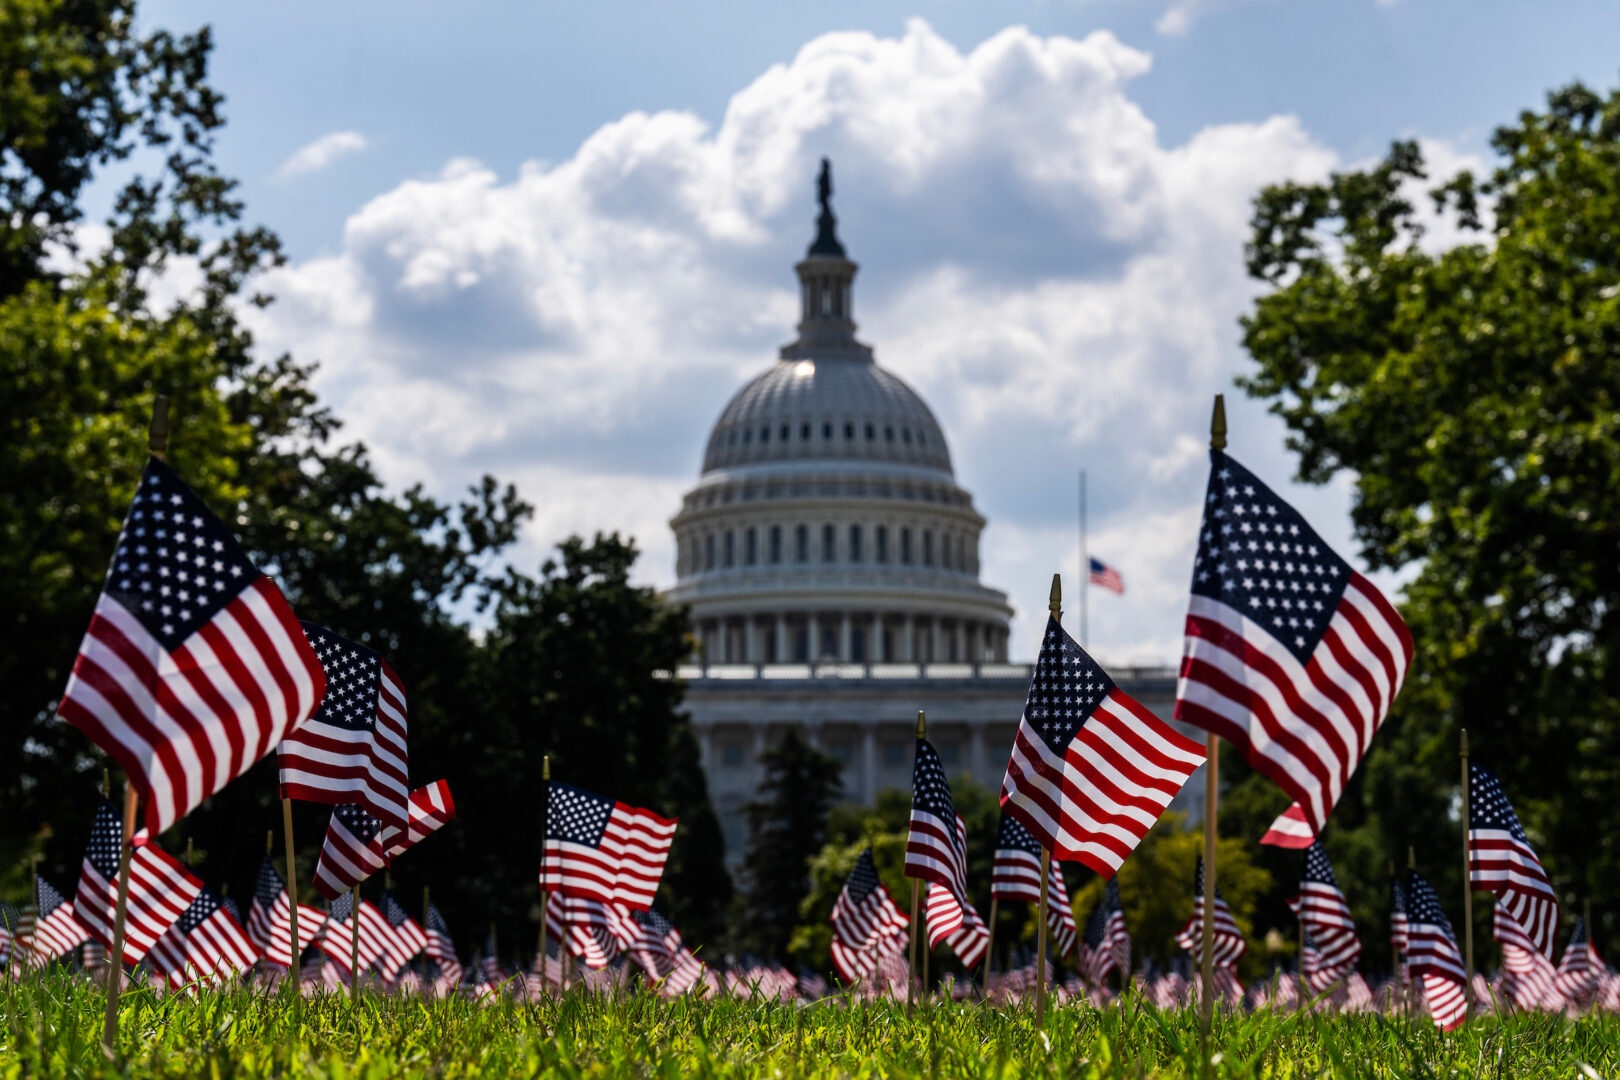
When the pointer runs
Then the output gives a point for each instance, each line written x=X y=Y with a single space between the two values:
x=787 y=826
x=1471 y=393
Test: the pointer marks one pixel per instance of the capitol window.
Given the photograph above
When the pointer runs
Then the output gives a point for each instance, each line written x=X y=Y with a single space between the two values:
x=871 y=432
x=801 y=543
x=829 y=544
x=849 y=431
x=731 y=548
x=787 y=430
x=731 y=755
x=945 y=550
x=708 y=552
x=881 y=539
x=826 y=430
x=888 y=434
x=854 y=543
x=776 y=544
x=804 y=431
x=928 y=549
x=905 y=547
x=765 y=434
x=905 y=436
x=752 y=547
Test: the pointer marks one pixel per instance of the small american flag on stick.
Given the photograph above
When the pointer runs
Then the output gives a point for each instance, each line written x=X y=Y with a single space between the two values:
x=1432 y=954
x=1326 y=915
x=1016 y=875
x=1091 y=769
x=1501 y=859
x=864 y=918
x=1107 y=946
x=936 y=852
x=206 y=945
x=193 y=666
x=54 y=931
x=353 y=749
x=357 y=845
x=160 y=889
x=1290 y=654
x=600 y=849
x=269 y=921
x=1229 y=943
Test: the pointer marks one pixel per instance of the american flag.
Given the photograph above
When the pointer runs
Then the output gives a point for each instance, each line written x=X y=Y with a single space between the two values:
x=439 y=947
x=1106 y=577
x=663 y=955
x=1501 y=860
x=864 y=918
x=1290 y=654
x=54 y=931
x=1016 y=875
x=193 y=666
x=10 y=921
x=1107 y=946
x=339 y=934
x=1290 y=830
x=936 y=852
x=205 y=946
x=594 y=932
x=405 y=940
x=488 y=962
x=1580 y=966
x=1322 y=908
x=1528 y=977
x=1432 y=954
x=1399 y=929
x=1091 y=770
x=159 y=887
x=599 y=849
x=357 y=845
x=269 y=921
x=1229 y=943
x=353 y=749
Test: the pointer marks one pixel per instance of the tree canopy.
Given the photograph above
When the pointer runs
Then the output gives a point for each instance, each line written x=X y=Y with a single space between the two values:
x=1471 y=394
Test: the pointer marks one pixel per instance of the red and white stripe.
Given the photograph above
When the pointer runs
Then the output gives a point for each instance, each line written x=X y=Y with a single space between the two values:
x=429 y=809
x=346 y=860
x=1580 y=966
x=624 y=868
x=1229 y=943
x=1094 y=804
x=594 y=932
x=1016 y=875
x=337 y=940
x=159 y=890
x=329 y=763
x=1433 y=958
x=271 y=931
x=1304 y=725
x=860 y=926
x=1505 y=866
x=1290 y=830
x=1528 y=978
x=1329 y=925
x=953 y=920
x=213 y=953
x=856 y=963
x=184 y=724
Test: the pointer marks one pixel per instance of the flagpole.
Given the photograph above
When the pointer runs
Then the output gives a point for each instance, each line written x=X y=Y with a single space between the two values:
x=989 y=946
x=292 y=897
x=1054 y=604
x=115 y=956
x=927 y=948
x=354 y=947
x=1299 y=915
x=1085 y=565
x=1217 y=441
x=922 y=727
x=33 y=933
x=1468 y=884
x=1411 y=984
x=545 y=896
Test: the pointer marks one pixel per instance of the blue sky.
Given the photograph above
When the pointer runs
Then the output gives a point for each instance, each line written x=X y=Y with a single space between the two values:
x=549 y=241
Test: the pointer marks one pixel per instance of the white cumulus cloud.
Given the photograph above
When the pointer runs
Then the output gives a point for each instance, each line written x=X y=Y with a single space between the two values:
x=1058 y=283
x=315 y=156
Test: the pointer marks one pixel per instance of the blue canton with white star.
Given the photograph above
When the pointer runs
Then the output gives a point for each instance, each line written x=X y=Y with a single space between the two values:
x=201 y=910
x=863 y=879
x=106 y=837
x=353 y=679
x=576 y=816
x=269 y=885
x=175 y=566
x=357 y=821
x=1011 y=836
x=1066 y=689
x=1488 y=806
x=393 y=911
x=1257 y=555
x=1317 y=867
x=1423 y=906
x=49 y=898
x=930 y=791
x=652 y=920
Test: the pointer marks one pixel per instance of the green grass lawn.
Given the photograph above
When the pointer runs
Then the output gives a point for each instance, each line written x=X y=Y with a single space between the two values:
x=52 y=1027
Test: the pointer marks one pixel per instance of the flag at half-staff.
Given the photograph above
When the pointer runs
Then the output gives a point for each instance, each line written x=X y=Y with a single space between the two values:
x=1432 y=955
x=1290 y=653
x=160 y=889
x=50 y=930
x=1091 y=769
x=1229 y=945
x=1016 y=875
x=206 y=946
x=353 y=750
x=1325 y=914
x=357 y=844
x=865 y=921
x=269 y=921
x=193 y=667
x=1107 y=944
x=936 y=852
x=1501 y=860
x=599 y=849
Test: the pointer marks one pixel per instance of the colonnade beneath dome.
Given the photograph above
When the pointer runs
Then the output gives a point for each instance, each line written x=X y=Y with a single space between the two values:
x=850 y=636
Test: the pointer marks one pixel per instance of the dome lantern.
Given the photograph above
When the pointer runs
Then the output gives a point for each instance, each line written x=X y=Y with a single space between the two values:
x=826 y=288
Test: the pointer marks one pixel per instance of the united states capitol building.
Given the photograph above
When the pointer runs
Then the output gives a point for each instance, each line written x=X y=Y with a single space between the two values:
x=831 y=564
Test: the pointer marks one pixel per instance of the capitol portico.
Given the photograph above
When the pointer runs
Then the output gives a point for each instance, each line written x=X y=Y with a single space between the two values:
x=831 y=564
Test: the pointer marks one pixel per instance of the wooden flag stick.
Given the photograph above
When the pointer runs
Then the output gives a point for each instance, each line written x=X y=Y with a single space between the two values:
x=115 y=956
x=354 y=947
x=292 y=897
x=1217 y=441
x=1468 y=884
x=1054 y=604
x=912 y=973
x=545 y=895
x=1411 y=983
x=989 y=946
x=1299 y=916
x=33 y=896
x=916 y=919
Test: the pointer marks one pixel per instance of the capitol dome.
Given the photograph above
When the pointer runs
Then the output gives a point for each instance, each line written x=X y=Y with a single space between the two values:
x=827 y=524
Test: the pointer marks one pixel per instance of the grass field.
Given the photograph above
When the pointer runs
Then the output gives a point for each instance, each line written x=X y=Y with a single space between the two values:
x=52 y=1027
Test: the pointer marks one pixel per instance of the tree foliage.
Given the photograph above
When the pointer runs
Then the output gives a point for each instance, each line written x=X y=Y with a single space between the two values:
x=1471 y=393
